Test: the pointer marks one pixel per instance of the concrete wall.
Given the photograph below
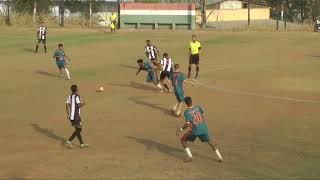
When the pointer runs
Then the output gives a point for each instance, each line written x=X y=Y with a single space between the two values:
x=157 y=16
x=235 y=14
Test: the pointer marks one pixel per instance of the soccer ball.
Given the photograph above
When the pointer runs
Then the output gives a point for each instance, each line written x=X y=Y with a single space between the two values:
x=100 y=89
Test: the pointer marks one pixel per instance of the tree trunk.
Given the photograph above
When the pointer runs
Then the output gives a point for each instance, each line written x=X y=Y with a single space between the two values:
x=62 y=13
x=8 y=22
x=203 y=15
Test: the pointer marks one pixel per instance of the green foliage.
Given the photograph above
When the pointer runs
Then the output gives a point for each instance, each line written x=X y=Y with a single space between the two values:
x=26 y=6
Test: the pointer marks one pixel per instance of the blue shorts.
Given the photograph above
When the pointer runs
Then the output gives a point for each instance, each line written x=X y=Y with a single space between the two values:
x=179 y=96
x=152 y=77
x=191 y=137
x=61 y=64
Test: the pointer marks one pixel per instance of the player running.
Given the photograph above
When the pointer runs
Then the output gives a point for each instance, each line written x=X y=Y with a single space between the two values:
x=178 y=80
x=167 y=70
x=194 y=50
x=60 y=57
x=73 y=106
x=42 y=36
x=152 y=76
x=194 y=117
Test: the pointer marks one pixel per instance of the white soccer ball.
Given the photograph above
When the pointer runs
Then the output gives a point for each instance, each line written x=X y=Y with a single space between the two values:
x=101 y=89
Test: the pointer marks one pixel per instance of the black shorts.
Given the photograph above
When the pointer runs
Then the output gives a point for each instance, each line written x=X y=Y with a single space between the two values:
x=76 y=122
x=194 y=59
x=42 y=40
x=164 y=75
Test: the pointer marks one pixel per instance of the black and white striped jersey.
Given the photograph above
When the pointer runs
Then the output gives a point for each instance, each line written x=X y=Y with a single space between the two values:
x=74 y=103
x=166 y=64
x=151 y=52
x=42 y=32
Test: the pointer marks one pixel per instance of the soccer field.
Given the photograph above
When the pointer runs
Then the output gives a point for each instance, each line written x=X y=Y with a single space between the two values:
x=260 y=92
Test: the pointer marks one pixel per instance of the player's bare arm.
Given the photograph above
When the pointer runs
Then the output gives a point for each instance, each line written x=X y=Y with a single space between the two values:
x=67 y=109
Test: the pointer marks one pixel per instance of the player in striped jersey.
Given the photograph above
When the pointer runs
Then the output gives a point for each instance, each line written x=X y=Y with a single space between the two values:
x=42 y=36
x=167 y=70
x=73 y=106
x=151 y=51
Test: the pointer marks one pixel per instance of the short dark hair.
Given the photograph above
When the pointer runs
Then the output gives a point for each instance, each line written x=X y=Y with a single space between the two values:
x=139 y=61
x=59 y=45
x=148 y=40
x=74 y=88
x=165 y=54
x=193 y=35
x=176 y=66
x=188 y=100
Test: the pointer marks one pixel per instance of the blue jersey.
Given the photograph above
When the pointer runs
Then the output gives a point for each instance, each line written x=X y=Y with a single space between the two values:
x=194 y=116
x=147 y=66
x=59 y=55
x=177 y=79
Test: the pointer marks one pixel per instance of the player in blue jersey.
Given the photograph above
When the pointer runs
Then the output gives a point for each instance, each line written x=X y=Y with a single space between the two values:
x=152 y=75
x=196 y=124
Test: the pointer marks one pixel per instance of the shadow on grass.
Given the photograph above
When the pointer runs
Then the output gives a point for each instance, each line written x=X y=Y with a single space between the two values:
x=47 y=132
x=151 y=105
x=30 y=50
x=48 y=74
x=136 y=85
x=313 y=56
x=129 y=66
x=163 y=148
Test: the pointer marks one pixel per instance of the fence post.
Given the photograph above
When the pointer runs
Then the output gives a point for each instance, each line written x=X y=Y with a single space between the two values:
x=203 y=14
x=118 y=1
x=61 y=8
x=8 y=22
x=34 y=11
x=90 y=15
x=248 y=4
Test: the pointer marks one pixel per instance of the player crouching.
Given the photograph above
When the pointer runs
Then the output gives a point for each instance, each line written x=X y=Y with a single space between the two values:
x=194 y=117
x=152 y=75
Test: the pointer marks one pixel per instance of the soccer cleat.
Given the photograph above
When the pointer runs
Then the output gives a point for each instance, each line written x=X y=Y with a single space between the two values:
x=220 y=160
x=84 y=145
x=68 y=144
x=161 y=91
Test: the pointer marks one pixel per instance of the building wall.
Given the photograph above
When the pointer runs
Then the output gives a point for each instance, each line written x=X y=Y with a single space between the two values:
x=157 y=15
x=231 y=5
x=235 y=14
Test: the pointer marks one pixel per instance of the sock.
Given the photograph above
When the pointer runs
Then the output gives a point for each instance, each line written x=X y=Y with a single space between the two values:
x=37 y=48
x=175 y=107
x=45 y=48
x=178 y=113
x=67 y=72
x=197 y=68
x=72 y=136
x=159 y=86
x=166 y=86
x=79 y=135
x=218 y=154
x=188 y=152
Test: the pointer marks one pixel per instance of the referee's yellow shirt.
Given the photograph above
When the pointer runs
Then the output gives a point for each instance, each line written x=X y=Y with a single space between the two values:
x=113 y=17
x=195 y=47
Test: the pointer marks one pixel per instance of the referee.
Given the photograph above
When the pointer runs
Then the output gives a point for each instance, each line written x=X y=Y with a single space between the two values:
x=194 y=49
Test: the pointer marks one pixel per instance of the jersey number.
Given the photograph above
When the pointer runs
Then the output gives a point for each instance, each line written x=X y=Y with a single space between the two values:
x=196 y=117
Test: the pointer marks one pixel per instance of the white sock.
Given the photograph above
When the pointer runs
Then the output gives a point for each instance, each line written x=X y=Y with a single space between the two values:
x=218 y=154
x=67 y=72
x=178 y=113
x=175 y=107
x=159 y=86
x=188 y=152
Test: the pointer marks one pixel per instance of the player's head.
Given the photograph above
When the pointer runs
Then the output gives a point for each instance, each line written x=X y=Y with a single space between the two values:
x=140 y=62
x=188 y=101
x=165 y=55
x=148 y=42
x=176 y=67
x=194 y=38
x=42 y=23
x=74 y=88
x=60 y=46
